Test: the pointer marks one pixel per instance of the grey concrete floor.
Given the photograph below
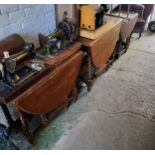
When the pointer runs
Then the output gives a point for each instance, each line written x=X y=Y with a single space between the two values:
x=118 y=113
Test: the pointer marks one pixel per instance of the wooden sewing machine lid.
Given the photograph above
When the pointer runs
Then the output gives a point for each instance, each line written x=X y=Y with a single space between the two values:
x=13 y=43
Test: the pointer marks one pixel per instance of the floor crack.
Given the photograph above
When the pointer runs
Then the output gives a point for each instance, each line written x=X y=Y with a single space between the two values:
x=119 y=112
x=128 y=71
x=139 y=50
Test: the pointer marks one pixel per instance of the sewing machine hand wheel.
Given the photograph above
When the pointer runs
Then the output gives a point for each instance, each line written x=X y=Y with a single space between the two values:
x=67 y=28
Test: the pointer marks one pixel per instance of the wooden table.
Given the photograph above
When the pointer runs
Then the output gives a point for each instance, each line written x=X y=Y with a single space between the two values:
x=51 y=91
x=127 y=27
x=100 y=50
x=55 y=88
x=128 y=24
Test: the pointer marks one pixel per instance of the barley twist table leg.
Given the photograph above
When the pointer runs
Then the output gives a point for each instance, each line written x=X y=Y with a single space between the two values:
x=7 y=114
x=89 y=74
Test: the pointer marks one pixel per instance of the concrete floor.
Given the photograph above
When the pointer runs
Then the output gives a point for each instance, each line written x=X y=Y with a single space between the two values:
x=119 y=112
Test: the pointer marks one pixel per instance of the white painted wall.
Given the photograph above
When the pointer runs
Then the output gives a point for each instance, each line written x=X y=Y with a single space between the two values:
x=27 y=20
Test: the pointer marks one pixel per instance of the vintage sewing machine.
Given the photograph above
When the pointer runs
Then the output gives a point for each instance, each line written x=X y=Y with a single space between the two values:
x=92 y=17
x=55 y=42
x=17 y=70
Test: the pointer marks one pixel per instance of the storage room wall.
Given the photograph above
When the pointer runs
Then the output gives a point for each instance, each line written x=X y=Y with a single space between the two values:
x=27 y=20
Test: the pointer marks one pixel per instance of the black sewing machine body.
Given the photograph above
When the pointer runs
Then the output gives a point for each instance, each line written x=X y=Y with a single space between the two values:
x=18 y=71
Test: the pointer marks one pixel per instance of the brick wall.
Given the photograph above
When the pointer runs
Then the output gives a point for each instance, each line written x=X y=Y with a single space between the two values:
x=27 y=20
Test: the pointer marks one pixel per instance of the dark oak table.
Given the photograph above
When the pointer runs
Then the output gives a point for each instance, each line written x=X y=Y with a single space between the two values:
x=99 y=50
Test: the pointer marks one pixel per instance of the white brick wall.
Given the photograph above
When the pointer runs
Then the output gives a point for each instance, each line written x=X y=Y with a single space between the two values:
x=27 y=20
x=5 y=8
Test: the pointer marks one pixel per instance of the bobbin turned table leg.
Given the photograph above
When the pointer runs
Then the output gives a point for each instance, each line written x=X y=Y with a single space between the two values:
x=75 y=94
x=66 y=104
x=7 y=115
x=44 y=120
x=24 y=121
x=89 y=80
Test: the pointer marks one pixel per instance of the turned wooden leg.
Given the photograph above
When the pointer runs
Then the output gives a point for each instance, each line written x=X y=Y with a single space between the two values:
x=66 y=104
x=24 y=121
x=75 y=93
x=7 y=114
x=140 y=34
x=127 y=43
x=44 y=120
x=119 y=49
x=89 y=74
x=90 y=84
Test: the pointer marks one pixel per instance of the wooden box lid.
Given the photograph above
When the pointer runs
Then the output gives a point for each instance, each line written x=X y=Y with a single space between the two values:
x=13 y=43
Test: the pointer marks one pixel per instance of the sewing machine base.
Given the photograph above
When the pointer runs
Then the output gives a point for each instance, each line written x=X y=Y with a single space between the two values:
x=8 y=92
x=49 y=56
